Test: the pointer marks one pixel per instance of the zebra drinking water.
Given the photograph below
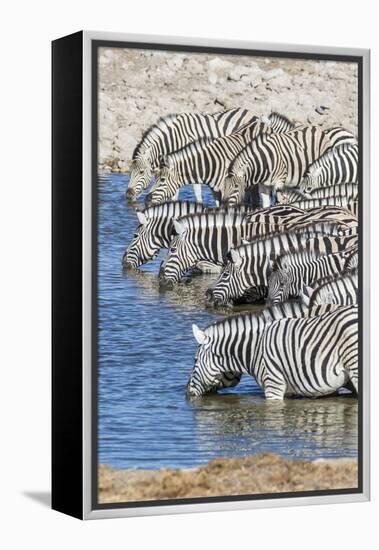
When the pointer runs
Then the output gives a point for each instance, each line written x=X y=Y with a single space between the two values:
x=154 y=231
x=174 y=131
x=280 y=160
x=249 y=265
x=293 y=271
x=347 y=203
x=208 y=236
x=309 y=356
x=206 y=161
x=335 y=167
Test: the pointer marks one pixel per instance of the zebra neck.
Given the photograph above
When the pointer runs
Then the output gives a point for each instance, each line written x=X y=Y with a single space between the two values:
x=244 y=355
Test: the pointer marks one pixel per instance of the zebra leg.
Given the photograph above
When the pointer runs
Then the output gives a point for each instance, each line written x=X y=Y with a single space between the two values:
x=197 y=192
x=273 y=382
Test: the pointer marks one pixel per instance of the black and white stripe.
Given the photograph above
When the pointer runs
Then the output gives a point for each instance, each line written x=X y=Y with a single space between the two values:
x=292 y=271
x=280 y=160
x=339 y=290
x=309 y=356
x=348 y=191
x=206 y=160
x=154 y=231
x=208 y=236
x=246 y=274
x=175 y=131
x=336 y=167
x=345 y=203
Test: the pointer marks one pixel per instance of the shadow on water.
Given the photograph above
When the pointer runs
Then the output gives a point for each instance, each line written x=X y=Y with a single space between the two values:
x=145 y=356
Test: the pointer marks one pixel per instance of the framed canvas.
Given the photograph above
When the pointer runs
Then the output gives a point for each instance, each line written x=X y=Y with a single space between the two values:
x=210 y=275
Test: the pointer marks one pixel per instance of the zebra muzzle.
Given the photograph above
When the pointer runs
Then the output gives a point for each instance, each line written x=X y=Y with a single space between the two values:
x=130 y=194
x=149 y=200
x=212 y=299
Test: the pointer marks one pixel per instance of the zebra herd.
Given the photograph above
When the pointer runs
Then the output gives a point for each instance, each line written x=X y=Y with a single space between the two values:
x=296 y=250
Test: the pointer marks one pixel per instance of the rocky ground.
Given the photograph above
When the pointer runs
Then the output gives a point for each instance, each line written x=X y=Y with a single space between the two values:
x=265 y=473
x=136 y=87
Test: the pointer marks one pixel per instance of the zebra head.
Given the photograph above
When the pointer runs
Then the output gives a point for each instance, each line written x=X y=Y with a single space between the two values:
x=234 y=187
x=238 y=281
x=311 y=181
x=210 y=372
x=146 y=243
x=279 y=286
x=180 y=258
x=140 y=176
x=166 y=184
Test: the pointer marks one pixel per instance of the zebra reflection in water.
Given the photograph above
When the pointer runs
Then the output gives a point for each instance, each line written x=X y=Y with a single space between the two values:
x=298 y=427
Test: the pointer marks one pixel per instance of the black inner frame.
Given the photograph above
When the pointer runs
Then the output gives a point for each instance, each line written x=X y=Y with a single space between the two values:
x=95 y=44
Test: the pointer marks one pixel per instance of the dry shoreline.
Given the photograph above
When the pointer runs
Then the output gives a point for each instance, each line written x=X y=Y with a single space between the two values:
x=263 y=473
x=136 y=87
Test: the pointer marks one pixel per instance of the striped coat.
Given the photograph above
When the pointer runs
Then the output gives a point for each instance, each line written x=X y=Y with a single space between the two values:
x=208 y=237
x=293 y=271
x=249 y=265
x=337 y=166
x=280 y=160
x=175 y=131
x=309 y=356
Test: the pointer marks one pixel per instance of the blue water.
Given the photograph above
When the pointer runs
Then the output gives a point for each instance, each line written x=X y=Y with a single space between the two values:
x=145 y=357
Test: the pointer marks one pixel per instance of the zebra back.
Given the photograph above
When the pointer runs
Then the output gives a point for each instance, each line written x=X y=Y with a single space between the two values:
x=345 y=203
x=338 y=165
x=294 y=196
x=339 y=290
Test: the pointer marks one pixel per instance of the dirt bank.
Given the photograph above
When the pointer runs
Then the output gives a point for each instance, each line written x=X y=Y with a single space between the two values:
x=138 y=86
x=265 y=473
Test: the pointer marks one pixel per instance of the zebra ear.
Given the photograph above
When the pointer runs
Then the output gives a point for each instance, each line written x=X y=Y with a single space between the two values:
x=235 y=257
x=179 y=227
x=141 y=218
x=199 y=335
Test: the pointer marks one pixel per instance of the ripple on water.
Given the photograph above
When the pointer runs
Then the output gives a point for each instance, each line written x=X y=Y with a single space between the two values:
x=145 y=356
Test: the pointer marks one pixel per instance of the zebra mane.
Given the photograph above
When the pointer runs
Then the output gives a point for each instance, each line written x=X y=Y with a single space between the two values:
x=276 y=117
x=169 y=209
x=334 y=152
x=305 y=256
x=319 y=283
x=312 y=230
x=212 y=219
x=153 y=129
x=266 y=315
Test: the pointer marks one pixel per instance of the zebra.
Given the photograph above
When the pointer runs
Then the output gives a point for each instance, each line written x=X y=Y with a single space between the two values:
x=208 y=236
x=279 y=160
x=348 y=191
x=155 y=228
x=268 y=314
x=308 y=356
x=341 y=290
x=346 y=203
x=292 y=271
x=246 y=273
x=206 y=161
x=335 y=167
x=175 y=131
x=154 y=231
